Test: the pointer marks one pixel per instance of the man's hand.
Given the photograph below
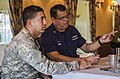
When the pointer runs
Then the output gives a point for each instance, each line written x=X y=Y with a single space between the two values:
x=107 y=37
x=93 y=59
x=85 y=64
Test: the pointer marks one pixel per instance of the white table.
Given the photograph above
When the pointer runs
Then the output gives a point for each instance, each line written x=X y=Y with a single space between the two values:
x=94 y=73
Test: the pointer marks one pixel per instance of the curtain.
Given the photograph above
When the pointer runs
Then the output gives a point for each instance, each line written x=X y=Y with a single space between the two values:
x=117 y=22
x=92 y=13
x=71 y=8
x=16 y=7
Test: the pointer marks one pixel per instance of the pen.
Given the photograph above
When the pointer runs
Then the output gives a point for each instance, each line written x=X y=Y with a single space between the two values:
x=94 y=54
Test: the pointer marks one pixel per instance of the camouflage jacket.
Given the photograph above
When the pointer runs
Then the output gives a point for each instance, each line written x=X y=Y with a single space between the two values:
x=22 y=59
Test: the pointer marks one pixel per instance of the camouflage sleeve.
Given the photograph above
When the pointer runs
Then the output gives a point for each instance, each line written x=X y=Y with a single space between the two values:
x=34 y=57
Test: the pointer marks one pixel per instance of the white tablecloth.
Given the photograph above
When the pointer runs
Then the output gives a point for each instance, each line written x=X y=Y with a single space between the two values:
x=94 y=73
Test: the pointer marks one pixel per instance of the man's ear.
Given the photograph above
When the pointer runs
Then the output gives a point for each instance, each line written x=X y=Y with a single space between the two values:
x=29 y=22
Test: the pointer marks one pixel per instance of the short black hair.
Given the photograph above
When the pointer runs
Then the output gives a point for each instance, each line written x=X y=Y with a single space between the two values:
x=53 y=10
x=30 y=12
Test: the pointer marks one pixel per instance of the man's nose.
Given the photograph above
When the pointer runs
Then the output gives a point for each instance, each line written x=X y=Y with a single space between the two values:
x=45 y=22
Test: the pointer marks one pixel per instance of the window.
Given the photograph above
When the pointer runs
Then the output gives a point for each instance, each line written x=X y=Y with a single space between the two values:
x=5 y=28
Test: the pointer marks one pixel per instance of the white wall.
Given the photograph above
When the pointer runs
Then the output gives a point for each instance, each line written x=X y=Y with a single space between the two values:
x=2 y=47
x=82 y=22
x=4 y=4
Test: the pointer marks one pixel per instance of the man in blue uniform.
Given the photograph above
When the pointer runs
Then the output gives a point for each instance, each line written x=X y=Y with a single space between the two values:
x=61 y=40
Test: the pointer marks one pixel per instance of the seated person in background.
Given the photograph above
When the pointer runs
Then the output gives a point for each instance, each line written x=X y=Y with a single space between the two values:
x=22 y=58
x=60 y=40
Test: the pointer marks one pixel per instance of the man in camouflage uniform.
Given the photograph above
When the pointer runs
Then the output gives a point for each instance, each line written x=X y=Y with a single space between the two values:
x=22 y=58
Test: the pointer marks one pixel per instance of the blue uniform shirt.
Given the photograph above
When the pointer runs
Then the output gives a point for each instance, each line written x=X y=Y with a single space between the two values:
x=66 y=43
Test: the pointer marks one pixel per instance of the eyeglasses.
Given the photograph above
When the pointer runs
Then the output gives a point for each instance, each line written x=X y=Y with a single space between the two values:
x=63 y=18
